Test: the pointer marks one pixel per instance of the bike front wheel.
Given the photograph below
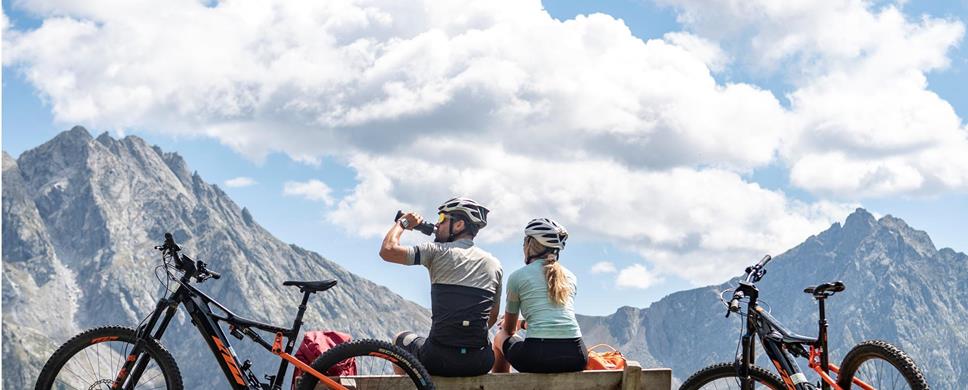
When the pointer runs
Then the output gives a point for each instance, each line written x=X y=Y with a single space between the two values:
x=725 y=376
x=95 y=358
x=374 y=359
x=881 y=365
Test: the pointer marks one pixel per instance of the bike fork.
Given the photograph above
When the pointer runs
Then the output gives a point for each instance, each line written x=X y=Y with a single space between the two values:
x=747 y=359
x=136 y=362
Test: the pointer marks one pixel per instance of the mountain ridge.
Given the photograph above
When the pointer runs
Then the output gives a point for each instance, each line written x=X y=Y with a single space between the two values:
x=57 y=281
x=899 y=288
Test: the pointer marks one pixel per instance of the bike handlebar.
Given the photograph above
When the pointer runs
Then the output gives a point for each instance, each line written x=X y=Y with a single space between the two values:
x=170 y=243
x=197 y=269
x=734 y=303
x=202 y=269
x=753 y=274
x=762 y=263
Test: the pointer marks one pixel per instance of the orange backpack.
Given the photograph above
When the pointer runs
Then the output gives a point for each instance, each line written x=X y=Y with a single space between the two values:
x=608 y=360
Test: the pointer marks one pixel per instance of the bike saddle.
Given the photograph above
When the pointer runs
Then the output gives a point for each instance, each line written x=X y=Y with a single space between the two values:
x=825 y=289
x=311 y=286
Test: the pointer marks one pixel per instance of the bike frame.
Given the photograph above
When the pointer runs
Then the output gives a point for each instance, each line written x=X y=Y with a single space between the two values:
x=239 y=376
x=761 y=325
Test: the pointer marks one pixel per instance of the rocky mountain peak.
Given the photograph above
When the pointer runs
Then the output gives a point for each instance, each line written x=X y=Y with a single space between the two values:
x=899 y=288
x=8 y=160
x=75 y=133
x=861 y=232
x=917 y=239
x=83 y=215
x=859 y=222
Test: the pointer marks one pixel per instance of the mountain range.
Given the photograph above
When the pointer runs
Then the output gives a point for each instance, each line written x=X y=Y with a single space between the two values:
x=81 y=216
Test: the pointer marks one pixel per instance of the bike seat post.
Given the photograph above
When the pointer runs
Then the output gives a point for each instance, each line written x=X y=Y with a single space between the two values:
x=297 y=323
x=822 y=338
x=293 y=333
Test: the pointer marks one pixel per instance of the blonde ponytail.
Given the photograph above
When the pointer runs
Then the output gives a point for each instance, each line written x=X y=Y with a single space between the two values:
x=558 y=287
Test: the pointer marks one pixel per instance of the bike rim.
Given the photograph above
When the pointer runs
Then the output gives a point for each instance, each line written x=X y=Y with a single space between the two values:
x=880 y=374
x=731 y=383
x=96 y=366
x=378 y=370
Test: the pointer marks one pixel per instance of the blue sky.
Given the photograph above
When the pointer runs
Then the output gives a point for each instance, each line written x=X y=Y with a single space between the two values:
x=407 y=114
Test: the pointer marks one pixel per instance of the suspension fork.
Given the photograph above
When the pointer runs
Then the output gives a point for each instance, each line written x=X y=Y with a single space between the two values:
x=748 y=357
x=136 y=361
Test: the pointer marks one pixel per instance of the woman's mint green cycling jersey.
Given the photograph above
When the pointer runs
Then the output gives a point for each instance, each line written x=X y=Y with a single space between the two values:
x=527 y=293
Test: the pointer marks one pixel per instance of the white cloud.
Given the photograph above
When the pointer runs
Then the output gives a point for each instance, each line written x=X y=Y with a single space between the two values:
x=636 y=276
x=240 y=181
x=314 y=190
x=627 y=141
x=603 y=267
x=702 y=225
x=310 y=79
x=864 y=123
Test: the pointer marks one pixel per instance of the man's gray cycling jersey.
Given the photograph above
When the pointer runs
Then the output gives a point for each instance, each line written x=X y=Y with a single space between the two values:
x=465 y=285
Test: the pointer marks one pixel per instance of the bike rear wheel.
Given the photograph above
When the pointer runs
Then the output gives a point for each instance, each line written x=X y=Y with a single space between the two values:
x=93 y=360
x=725 y=376
x=372 y=358
x=881 y=365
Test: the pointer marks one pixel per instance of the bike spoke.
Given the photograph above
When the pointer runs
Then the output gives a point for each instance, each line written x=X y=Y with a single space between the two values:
x=97 y=351
x=87 y=357
x=149 y=380
x=80 y=378
x=881 y=375
x=67 y=384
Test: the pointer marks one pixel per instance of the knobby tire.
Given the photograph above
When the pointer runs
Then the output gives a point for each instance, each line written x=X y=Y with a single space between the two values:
x=72 y=363
x=371 y=349
x=874 y=352
x=729 y=372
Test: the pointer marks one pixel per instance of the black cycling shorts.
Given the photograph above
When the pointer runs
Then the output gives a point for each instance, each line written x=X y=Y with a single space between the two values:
x=444 y=360
x=545 y=355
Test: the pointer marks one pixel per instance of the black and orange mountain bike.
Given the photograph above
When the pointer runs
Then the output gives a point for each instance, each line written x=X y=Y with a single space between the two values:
x=869 y=365
x=115 y=357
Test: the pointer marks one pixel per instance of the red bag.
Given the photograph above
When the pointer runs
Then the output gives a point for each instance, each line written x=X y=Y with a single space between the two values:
x=314 y=344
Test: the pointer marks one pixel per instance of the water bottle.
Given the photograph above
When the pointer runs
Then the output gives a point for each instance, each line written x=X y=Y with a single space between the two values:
x=424 y=227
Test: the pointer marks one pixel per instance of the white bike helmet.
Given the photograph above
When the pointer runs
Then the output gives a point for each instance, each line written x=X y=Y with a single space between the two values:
x=548 y=232
x=476 y=213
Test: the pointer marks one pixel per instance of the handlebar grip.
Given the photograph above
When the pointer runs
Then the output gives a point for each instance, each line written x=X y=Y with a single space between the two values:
x=734 y=303
x=762 y=263
x=215 y=275
x=170 y=242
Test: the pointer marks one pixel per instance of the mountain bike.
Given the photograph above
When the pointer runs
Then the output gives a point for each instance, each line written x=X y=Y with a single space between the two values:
x=869 y=365
x=115 y=357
